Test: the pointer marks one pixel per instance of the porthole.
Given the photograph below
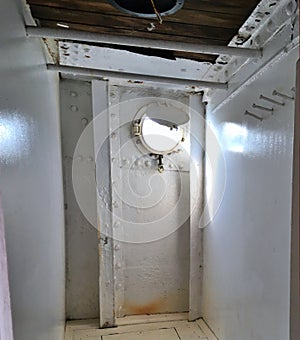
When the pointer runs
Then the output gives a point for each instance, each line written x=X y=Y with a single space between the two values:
x=159 y=138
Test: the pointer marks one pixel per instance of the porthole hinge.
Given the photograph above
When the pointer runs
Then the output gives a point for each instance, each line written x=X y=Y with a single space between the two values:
x=136 y=128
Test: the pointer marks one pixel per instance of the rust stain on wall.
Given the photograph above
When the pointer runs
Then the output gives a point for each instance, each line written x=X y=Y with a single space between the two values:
x=155 y=306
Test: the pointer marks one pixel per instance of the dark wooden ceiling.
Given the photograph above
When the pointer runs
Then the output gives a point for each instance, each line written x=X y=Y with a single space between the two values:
x=212 y=22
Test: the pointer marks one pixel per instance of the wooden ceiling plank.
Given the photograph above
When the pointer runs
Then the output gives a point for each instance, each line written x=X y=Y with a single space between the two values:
x=235 y=7
x=190 y=17
x=87 y=18
x=240 y=7
x=130 y=33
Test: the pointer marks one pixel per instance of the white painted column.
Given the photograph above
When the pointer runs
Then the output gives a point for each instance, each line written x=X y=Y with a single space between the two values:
x=197 y=136
x=103 y=182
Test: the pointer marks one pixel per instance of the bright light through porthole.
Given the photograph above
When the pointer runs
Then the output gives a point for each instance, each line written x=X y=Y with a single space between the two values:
x=160 y=138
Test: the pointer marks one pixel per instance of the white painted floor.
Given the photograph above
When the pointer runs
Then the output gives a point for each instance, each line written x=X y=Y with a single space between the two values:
x=150 y=327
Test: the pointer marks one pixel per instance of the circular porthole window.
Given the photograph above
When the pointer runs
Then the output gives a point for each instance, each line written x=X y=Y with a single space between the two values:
x=159 y=138
x=159 y=126
x=145 y=8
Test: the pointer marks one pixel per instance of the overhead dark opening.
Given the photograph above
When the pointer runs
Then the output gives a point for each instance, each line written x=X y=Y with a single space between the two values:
x=144 y=8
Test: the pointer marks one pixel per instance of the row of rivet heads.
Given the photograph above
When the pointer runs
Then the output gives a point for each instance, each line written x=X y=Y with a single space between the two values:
x=75 y=108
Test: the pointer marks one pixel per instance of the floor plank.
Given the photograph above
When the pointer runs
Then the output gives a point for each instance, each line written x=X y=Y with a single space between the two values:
x=162 y=334
x=150 y=329
x=208 y=332
x=140 y=319
x=190 y=331
x=80 y=334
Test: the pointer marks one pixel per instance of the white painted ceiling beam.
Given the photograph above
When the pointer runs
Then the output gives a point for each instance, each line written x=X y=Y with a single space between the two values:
x=68 y=34
x=136 y=77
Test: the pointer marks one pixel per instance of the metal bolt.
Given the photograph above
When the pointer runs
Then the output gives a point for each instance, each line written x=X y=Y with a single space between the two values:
x=117 y=247
x=73 y=108
x=271 y=100
x=255 y=106
x=117 y=224
x=118 y=265
x=247 y=113
x=282 y=95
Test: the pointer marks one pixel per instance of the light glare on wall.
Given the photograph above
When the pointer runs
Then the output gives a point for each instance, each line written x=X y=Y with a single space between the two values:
x=234 y=137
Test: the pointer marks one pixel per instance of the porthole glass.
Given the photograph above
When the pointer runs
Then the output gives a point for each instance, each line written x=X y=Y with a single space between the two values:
x=160 y=138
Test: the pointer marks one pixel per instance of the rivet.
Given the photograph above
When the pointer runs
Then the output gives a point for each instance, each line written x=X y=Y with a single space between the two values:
x=84 y=121
x=147 y=164
x=118 y=265
x=180 y=166
x=73 y=94
x=170 y=165
x=90 y=159
x=116 y=224
x=125 y=161
x=113 y=135
x=116 y=205
x=119 y=286
x=117 y=247
x=73 y=108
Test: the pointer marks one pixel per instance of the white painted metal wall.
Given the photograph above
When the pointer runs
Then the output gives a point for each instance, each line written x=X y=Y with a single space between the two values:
x=31 y=182
x=246 y=288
